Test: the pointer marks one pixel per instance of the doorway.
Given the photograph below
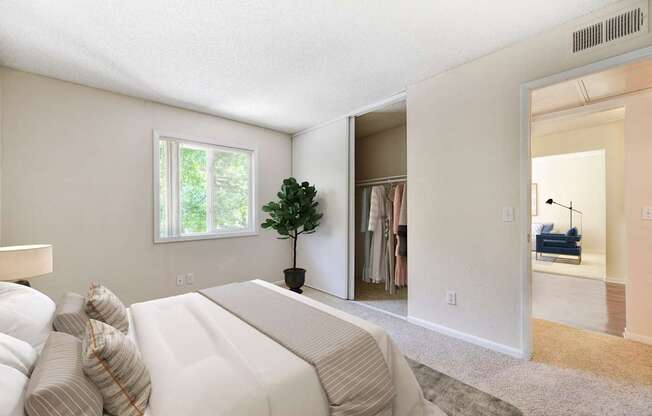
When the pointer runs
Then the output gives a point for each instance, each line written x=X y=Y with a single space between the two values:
x=579 y=130
x=379 y=256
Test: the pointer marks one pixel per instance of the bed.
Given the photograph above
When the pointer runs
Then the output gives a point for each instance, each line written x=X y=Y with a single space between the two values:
x=204 y=360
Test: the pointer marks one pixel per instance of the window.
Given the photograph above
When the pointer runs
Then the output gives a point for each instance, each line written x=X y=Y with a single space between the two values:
x=202 y=190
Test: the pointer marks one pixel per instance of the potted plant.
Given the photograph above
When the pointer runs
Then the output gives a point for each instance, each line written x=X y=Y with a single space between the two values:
x=295 y=213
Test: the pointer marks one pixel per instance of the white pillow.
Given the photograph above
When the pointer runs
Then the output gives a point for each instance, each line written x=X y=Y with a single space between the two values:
x=17 y=354
x=25 y=313
x=12 y=385
x=536 y=228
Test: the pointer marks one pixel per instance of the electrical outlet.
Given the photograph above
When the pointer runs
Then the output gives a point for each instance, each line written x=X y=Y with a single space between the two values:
x=181 y=279
x=190 y=279
x=451 y=297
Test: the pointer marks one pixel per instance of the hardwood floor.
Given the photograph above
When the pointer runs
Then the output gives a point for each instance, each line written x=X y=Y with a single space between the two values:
x=580 y=303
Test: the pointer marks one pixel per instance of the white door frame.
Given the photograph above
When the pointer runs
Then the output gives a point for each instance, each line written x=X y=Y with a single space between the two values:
x=350 y=294
x=402 y=96
x=526 y=173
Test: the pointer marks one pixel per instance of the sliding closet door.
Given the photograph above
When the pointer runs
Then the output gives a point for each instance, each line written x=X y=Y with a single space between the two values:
x=321 y=157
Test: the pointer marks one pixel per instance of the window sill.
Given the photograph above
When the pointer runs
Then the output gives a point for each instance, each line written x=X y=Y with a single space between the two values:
x=197 y=237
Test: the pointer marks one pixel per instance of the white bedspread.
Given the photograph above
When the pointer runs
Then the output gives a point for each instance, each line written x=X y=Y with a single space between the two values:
x=205 y=361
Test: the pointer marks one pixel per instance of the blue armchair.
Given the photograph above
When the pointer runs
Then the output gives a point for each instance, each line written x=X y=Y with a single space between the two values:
x=559 y=244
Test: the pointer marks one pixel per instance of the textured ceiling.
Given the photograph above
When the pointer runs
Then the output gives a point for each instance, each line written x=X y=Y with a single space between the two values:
x=282 y=64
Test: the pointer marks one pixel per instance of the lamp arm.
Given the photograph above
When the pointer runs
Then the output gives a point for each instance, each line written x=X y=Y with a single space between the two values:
x=561 y=205
x=572 y=209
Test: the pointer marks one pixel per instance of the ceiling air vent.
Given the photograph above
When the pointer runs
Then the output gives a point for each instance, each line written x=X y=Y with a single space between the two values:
x=624 y=24
x=588 y=37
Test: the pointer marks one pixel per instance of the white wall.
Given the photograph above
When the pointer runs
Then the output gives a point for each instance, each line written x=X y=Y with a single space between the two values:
x=464 y=166
x=578 y=177
x=77 y=173
x=611 y=138
x=321 y=157
x=638 y=194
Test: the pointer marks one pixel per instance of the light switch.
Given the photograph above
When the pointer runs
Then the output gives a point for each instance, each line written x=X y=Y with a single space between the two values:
x=646 y=213
x=508 y=214
x=451 y=297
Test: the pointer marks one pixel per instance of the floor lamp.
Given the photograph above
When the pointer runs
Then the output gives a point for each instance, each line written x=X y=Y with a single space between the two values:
x=569 y=208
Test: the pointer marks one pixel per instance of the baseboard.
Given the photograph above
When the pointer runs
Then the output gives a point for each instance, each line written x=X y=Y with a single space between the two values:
x=366 y=305
x=638 y=338
x=482 y=342
x=614 y=280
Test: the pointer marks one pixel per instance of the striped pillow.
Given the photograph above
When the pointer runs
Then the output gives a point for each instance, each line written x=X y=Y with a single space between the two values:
x=113 y=363
x=70 y=316
x=58 y=385
x=103 y=305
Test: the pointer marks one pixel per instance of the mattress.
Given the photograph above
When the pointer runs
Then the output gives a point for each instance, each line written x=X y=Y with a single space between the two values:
x=205 y=361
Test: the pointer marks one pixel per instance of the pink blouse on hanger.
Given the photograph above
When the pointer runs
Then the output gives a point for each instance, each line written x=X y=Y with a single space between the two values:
x=400 y=272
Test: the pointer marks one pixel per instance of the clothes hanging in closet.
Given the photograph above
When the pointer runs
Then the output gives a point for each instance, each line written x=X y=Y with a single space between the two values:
x=364 y=220
x=400 y=273
x=402 y=225
x=378 y=267
x=390 y=284
x=385 y=250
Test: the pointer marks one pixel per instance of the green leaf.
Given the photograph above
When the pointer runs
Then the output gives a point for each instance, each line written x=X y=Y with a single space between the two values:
x=295 y=211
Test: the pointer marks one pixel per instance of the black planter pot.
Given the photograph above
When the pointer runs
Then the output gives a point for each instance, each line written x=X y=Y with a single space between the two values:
x=295 y=278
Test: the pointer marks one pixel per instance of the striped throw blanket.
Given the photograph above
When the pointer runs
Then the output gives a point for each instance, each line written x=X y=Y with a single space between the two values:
x=350 y=366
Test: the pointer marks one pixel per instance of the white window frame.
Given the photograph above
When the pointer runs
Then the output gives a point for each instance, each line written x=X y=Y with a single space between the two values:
x=173 y=189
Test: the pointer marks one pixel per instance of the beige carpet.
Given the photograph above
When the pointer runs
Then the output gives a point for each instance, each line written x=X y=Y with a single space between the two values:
x=600 y=354
x=376 y=296
x=538 y=389
x=592 y=266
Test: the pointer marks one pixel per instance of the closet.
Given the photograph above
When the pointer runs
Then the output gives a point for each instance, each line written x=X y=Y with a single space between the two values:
x=381 y=223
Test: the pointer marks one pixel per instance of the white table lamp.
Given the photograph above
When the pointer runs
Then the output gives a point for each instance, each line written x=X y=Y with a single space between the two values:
x=18 y=263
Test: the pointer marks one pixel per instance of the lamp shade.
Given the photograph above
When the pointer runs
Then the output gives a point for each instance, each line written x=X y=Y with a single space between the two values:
x=22 y=262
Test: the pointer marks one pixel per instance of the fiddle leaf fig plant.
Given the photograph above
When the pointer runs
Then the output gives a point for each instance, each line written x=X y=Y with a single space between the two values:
x=294 y=213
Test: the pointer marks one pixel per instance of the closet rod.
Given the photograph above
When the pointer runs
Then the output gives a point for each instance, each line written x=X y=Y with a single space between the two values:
x=384 y=180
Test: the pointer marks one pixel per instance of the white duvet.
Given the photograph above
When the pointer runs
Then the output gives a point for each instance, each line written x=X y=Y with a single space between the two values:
x=205 y=361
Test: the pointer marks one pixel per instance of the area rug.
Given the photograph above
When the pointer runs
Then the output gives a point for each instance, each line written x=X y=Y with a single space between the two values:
x=456 y=398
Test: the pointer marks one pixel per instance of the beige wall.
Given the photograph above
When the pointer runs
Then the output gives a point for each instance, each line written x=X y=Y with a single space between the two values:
x=638 y=194
x=381 y=154
x=77 y=173
x=464 y=166
x=611 y=138
x=377 y=155
x=579 y=177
